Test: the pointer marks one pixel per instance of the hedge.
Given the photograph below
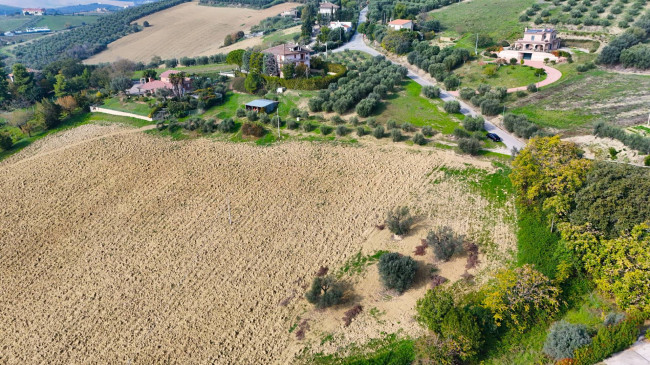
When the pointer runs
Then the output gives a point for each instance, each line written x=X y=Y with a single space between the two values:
x=609 y=340
x=312 y=83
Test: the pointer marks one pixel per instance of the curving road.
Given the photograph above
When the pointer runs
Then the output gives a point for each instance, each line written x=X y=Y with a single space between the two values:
x=357 y=44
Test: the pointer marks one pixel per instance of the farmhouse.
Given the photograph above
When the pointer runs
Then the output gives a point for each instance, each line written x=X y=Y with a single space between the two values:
x=33 y=11
x=327 y=8
x=347 y=26
x=536 y=45
x=290 y=53
x=289 y=13
x=399 y=24
x=150 y=86
x=262 y=105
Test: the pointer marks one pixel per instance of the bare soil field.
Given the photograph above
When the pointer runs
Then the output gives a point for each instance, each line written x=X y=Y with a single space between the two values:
x=119 y=249
x=185 y=30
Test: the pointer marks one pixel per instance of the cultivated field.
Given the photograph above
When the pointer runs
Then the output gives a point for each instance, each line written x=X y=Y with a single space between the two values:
x=185 y=30
x=119 y=249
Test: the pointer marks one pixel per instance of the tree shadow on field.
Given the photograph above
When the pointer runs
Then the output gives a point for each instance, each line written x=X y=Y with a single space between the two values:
x=423 y=275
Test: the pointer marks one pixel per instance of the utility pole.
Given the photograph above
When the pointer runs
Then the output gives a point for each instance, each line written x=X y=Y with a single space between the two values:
x=476 y=46
x=277 y=115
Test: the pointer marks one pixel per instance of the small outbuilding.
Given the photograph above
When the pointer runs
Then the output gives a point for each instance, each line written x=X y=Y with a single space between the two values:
x=262 y=105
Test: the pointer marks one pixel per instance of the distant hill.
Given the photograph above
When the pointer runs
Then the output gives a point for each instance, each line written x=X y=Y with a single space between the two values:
x=82 y=8
x=6 y=9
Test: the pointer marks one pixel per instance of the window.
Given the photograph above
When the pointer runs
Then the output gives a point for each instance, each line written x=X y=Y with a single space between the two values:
x=532 y=38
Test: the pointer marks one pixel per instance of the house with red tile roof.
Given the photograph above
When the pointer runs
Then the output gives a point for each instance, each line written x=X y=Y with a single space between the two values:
x=150 y=86
x=399 y=24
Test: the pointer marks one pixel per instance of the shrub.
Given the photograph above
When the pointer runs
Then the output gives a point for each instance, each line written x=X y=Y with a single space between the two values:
x=521 y=93
x=326 y=129
x=372 y=122
x=490 y=107
x=337 y=119
x=354 y=121
x=407 y=127
x=264 y=118
x=240 y=113
x=391 y=124
x=532 y=88
x=397 y=271
x=252 y=129
x=564 y=338
x=396 y=135
x=608 y=340
x=315 y=104
x=452 y=82
x=5 y=141
x=444 y=242
x=431 y=92
x=428 y=131
x=646 y=161
x=419 y=139
x=521 y=296
x=324 y=292
x=341 y=130
x=226 y=126
x=467 y=93
x=433 y=307
x=460 y=133
x=452 y=107
x=361 y=131
x=463 y=328
x=399 y=220
x=378 y=132
x=292 y=124
x=307 y=126
x=613 y=319
x=634 y=141
x=365 y=107
x=294 y=112
x=252 y=115
x=469 y=145
x=474 y=124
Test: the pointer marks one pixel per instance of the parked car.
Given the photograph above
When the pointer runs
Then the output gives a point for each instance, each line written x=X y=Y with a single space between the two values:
x=493 y=137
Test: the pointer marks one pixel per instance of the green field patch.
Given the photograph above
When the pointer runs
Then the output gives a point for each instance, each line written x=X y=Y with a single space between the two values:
x=410 y=106
x=358 y=263
x=129 y=106
x=60 y=22
x=472 y=75
x=493 y=186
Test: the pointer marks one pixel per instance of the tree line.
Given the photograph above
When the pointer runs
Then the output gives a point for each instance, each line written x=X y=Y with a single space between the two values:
x=87 y=40
x=628 y=48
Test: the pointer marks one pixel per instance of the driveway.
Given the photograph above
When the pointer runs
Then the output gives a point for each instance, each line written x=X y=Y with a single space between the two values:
x=357 y=44
x=638 y=354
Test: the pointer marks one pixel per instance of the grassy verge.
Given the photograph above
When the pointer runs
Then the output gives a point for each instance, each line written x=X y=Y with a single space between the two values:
x=388 y=350
x=138 y=108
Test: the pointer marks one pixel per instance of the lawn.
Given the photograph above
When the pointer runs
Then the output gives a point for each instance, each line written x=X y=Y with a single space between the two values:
x=59 y=22
x=281 y=36
x=579 y=100
x=410 y=106
x=497 y=18
x=197 y=69
x=8 y=23
x=472 y=75
x=134 y=107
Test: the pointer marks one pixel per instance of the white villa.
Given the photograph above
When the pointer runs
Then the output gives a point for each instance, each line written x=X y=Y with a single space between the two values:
x=347 y=26
x=536 y=45
x=399 y=24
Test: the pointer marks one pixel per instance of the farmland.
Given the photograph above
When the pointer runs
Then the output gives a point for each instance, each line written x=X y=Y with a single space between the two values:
x=122 y=250
x=203 y=29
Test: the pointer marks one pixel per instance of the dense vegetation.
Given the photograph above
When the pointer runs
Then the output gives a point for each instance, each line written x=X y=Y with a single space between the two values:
x=85 y=41
x=384 y=10
x=252 y=3
x=627 y=48
x=635 y=141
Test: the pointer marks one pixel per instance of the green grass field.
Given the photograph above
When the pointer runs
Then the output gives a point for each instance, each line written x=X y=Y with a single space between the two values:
x=410 y=106
x=13 y=22
x=128 y=106
x=472 y=75
x=198 y=69
x=59 y=22
x=579 y=100
x=496 y=18
x=279 y=36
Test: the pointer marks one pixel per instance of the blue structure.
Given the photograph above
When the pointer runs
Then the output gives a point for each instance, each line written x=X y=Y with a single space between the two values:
x=262 y=105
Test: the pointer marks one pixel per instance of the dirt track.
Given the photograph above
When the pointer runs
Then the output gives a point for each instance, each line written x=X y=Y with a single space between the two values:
x=118 y=249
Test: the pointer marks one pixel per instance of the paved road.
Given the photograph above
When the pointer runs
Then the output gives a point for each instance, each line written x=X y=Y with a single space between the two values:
x=638 y=354
x=357 y=44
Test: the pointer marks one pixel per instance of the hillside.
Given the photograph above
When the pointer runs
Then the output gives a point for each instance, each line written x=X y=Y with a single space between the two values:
x=185 y=30
x=121 y=247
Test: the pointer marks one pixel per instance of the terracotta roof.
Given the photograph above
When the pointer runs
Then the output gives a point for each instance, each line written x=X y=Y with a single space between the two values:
x=400 y=22
x=153 y=85
x=165 y=75
x=328 y=5
x=285 y=49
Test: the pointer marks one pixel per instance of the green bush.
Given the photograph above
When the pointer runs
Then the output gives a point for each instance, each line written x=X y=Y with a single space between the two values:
x=490 y=107
x=646 y=161
x=433 y=307
x=467 y=93
x=361 y=131
x=407 y=127
x=471 y=146
x=324 y=292
x=252 y=115
x=460 y=133
x=473 y=124
x=396 y=135
x=463 y=328
x=326 y=129
x=419 y=139
x=431 y=92
x=444 y=242
x=294 y=112
x=521 y=94
x=399 y=220
x=397 y=271
x=531 y=88
x=292 y=124
x=240 y=113
x=608 y=340
x=564 y=338
x=341 y=130
x=337 y=119
x=307 y=126
x=226 y=126
x=5 y=141
x=391 y=124
x=378 y=132
x=452 y=107
x=428 y=131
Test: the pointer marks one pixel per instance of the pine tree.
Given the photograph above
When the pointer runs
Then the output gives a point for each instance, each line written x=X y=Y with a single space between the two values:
x=60 y=86
x=4 y=85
